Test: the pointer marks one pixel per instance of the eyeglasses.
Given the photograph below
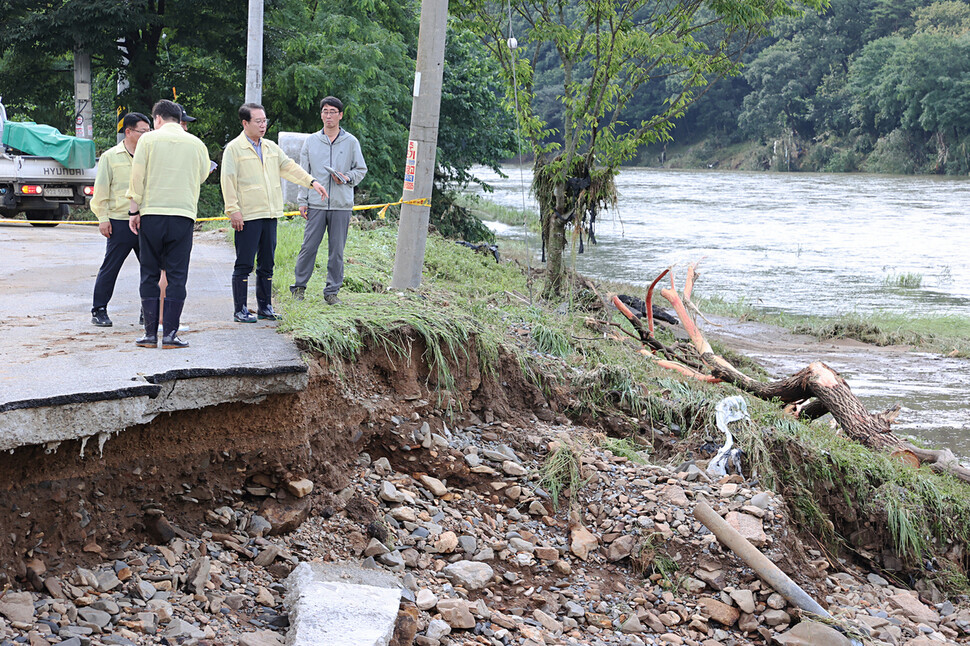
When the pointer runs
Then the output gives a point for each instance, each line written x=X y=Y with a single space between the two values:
x=260 y=122
x=141 y=132
x=331 y=113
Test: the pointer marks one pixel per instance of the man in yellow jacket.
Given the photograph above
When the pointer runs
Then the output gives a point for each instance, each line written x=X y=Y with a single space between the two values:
x=110 y=205
x=251 y=170
x=169 y=167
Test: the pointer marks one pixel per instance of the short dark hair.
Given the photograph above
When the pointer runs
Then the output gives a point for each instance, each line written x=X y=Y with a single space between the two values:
x=167 y=110
x=333 y=102
x=246 y=111
x=132 y=119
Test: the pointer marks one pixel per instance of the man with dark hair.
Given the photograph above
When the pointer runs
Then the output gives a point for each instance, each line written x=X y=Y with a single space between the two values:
x=335 y=153
x=169 y=167
x=184 y=119
x=110 y=206
x=251 y=170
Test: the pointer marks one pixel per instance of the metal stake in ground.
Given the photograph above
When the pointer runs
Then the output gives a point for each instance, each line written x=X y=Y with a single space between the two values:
x=412 y=232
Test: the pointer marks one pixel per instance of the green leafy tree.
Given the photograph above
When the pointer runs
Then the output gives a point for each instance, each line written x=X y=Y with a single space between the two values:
x=606 y=51
x=920 y=83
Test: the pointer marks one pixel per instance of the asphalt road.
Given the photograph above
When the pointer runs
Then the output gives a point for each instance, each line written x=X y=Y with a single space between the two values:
x=50 y=353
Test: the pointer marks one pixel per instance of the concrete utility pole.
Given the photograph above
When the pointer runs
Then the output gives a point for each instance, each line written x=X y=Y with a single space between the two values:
x=254 y=53
x=122 y=85
x=83 y=110
x=412 y=232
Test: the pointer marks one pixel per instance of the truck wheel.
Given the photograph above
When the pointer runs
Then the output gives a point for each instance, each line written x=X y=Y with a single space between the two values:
x=52 y=217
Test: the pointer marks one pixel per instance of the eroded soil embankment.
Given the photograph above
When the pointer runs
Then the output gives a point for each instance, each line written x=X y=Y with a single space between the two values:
x=64 y=509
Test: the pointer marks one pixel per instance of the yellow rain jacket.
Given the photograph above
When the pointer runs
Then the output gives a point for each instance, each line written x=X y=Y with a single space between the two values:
x=252 y=186
x=169 y=167
x=114 y=173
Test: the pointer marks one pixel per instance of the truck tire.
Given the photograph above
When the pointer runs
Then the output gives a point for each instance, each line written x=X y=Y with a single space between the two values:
x=52 y=217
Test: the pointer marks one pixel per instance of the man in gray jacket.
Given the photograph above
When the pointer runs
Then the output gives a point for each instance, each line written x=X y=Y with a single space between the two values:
x=335 y=154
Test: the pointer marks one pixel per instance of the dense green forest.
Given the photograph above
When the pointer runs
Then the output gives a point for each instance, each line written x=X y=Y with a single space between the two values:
x=866 y=85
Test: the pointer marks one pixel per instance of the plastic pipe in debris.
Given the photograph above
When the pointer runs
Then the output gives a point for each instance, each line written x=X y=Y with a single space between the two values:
x=768 y=571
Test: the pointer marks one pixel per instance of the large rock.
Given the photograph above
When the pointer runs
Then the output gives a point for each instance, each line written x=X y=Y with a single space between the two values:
x=720 y=612
x=340 y=612
x=621 y=547
x=198 y=575
x=582 y=542
x=812 y=633
x=473 y=575
x=285 y=516
x=457 y=612
x=910 y=606
x=748 y=526
x=434 y=485
x=675 y=496
x=18 y=606
x=744 y=599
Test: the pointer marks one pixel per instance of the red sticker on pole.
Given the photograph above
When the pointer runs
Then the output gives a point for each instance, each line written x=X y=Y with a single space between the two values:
x=410 y=165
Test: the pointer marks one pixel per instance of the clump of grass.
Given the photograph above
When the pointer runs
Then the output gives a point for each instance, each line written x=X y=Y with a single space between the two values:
x=650 y=559
x=562 y=470
x=626 y=448
x=906 y=280
x=550 y=340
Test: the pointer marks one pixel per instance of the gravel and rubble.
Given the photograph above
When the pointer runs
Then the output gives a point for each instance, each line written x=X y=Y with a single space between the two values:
x=483 y=555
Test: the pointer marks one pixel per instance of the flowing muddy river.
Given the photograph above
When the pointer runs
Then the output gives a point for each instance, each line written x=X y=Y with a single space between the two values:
x=823 y=244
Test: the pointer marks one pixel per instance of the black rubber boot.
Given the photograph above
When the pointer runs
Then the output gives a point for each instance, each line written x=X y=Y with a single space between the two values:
x=264 y=299
x=149 y=308
x=99 y=317
x=170 y=325
x=240 y=289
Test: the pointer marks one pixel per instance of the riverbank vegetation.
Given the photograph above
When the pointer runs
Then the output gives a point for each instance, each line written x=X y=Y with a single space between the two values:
x=848 y=499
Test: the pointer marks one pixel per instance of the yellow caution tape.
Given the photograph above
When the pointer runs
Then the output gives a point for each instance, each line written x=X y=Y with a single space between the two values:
x=363 y=207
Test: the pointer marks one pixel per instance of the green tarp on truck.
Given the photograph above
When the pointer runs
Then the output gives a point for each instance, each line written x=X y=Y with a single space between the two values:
x=45 y=141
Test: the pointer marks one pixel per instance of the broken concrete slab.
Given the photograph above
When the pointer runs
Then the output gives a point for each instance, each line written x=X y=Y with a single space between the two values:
x=341 y=605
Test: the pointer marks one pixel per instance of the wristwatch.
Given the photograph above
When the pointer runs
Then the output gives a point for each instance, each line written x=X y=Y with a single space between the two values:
x=132 y=214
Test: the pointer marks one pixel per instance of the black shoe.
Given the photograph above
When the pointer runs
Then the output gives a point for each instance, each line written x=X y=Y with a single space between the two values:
x=172 y=340
x=267 y=313
x=170 y=324
x=147 y=342
x=331 y=299
x=244 y=316
x=99 y=317
x=264 y=299
x=298 y=292
x=149 y=309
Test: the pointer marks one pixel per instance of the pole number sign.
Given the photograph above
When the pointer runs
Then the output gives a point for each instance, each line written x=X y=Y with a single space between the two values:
x=410 y=165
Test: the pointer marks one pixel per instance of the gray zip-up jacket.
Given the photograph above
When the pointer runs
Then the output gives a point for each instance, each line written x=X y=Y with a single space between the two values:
x=342 y=155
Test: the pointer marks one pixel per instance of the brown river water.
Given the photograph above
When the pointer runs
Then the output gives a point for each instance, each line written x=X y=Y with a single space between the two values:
x=823 y=244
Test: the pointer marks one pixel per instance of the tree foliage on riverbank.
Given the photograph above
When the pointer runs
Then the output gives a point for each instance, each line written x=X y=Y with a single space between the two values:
x=874 y=85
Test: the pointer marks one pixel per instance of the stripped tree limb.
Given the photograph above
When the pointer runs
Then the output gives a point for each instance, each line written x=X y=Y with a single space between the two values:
x=811 y=392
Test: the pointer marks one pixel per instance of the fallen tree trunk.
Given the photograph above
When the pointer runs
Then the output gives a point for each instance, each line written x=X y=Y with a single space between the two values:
x=812 y=392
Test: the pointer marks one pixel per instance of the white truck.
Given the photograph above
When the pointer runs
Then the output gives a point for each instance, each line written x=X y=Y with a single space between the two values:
x=40 y=187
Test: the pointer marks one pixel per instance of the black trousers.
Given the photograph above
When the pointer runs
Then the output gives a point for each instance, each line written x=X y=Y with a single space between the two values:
x=166 y=243
x=119 y=244
x=256 y=240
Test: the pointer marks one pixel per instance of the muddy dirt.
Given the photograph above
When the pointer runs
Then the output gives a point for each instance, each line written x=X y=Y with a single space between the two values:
x=73 y=506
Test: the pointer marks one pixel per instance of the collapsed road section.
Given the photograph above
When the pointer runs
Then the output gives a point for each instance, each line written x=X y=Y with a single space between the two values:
x=63 y=379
